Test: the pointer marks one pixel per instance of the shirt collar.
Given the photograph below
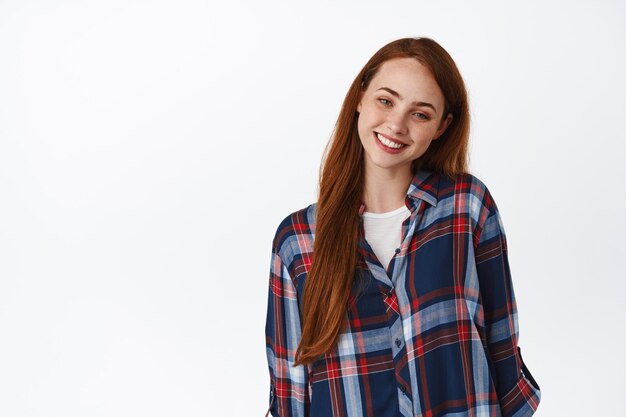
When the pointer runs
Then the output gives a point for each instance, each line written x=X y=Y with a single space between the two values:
x=423 y=186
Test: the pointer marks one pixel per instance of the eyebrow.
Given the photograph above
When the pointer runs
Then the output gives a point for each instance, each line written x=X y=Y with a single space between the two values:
x=416 y=103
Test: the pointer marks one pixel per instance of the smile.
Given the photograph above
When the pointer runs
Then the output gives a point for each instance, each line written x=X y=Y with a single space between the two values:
x=387 y=144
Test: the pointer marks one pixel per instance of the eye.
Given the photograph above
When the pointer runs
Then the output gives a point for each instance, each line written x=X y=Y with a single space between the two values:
x=421 y=116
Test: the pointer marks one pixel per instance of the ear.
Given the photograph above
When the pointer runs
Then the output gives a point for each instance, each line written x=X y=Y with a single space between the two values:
x=443 y=126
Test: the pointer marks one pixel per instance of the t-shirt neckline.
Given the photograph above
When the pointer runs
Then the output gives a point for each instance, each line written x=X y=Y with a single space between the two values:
x=385 y=214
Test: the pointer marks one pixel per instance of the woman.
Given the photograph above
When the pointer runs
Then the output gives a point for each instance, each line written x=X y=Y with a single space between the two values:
x=406 y=305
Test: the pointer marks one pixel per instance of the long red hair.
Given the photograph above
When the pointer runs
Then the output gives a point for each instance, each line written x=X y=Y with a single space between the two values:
x=331 y=276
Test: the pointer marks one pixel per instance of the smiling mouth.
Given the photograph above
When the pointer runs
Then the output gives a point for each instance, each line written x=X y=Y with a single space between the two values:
x=389 y=143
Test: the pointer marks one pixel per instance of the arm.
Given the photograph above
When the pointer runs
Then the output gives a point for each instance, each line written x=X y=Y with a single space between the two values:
x=289 y=396
x=517 y=390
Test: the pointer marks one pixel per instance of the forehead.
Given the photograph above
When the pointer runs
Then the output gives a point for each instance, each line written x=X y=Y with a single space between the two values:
x=408 y=77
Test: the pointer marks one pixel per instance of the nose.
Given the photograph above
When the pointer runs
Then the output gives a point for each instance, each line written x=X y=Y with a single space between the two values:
x=396 y=123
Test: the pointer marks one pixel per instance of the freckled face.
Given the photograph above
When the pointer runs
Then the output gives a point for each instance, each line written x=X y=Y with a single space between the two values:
x=404 y=104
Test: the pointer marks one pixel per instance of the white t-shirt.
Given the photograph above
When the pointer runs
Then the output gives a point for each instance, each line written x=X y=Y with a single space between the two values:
x=383 y=232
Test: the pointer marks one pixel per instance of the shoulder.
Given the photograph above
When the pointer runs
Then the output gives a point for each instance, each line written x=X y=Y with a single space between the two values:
x=467 y=195
x=464 y=183
x=468 y=187
x=294 y=233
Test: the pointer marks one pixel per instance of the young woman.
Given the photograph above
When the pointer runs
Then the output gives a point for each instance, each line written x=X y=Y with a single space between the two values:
x=392 y=294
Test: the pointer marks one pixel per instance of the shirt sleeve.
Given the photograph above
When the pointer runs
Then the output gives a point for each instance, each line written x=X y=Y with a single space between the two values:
x=518 y=392
x=289 y=395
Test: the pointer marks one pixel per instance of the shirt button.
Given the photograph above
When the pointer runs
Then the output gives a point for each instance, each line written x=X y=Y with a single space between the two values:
x=398 y=342
x=403 y=389
x=397 y=250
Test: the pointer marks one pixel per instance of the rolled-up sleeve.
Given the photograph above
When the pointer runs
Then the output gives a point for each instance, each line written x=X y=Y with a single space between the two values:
x=517 y=390
x=288 y=396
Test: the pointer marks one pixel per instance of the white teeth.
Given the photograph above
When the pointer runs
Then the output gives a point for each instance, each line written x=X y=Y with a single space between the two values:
x=389 y=143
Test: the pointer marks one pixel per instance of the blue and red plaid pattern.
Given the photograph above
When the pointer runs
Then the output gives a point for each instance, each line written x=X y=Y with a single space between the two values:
x=433 y=335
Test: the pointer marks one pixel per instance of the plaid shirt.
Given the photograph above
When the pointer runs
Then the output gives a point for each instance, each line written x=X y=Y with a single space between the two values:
x=433 y=335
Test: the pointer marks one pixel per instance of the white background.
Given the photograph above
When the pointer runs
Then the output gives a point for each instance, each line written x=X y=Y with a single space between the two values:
x=148 y=151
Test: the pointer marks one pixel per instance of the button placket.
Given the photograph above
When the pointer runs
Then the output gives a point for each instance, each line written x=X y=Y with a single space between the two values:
x=397 y=338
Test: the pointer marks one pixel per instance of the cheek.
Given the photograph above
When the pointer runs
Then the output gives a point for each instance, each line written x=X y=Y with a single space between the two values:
x=364 y=120
x=427 y=132
x=362 y=130
x=369 y=120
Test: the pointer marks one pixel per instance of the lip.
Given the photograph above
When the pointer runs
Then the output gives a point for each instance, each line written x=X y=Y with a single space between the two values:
x=390 y=138
x=386 y=149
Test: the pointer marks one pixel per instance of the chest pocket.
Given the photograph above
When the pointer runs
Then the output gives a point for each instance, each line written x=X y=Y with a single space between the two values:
x=432 y=266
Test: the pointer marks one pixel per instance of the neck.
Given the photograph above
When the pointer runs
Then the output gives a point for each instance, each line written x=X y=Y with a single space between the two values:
x=385 y=190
